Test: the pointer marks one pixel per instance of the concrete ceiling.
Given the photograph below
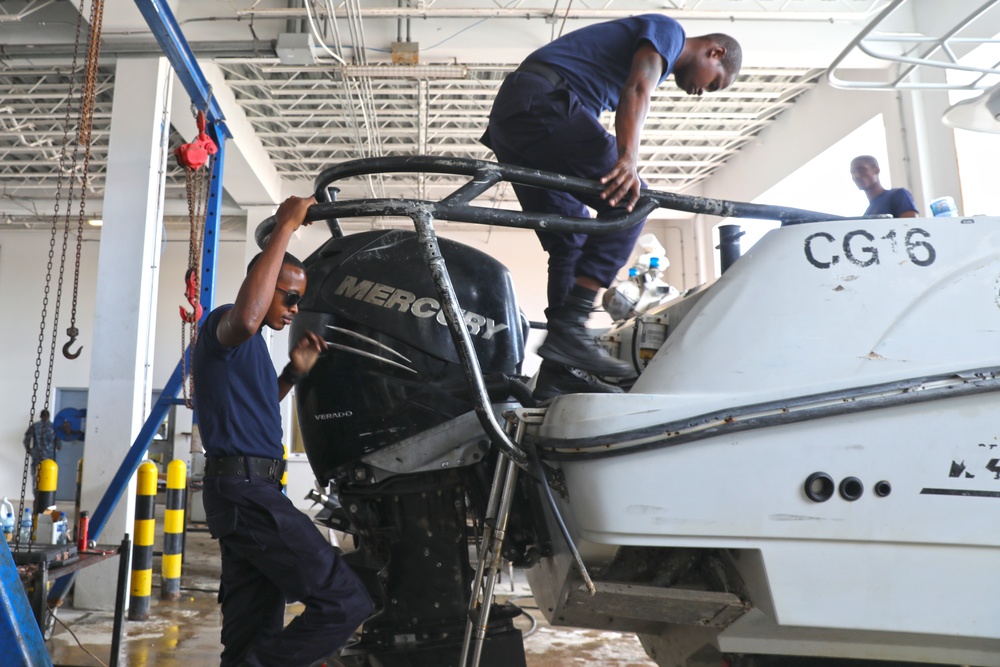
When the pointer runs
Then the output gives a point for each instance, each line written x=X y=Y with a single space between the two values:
x=348 y=100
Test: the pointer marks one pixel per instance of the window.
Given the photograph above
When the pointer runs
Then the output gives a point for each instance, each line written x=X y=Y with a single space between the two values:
x=976 y=151
x=824 y=183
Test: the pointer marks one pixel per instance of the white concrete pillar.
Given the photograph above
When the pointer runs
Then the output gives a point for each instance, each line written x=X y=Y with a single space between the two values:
x=929 y=144
x=127 y=277
x=255 y=216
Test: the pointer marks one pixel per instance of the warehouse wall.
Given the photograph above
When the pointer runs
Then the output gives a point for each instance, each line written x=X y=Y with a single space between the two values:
x=23 y=257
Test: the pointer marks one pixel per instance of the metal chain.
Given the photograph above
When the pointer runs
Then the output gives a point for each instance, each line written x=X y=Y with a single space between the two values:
x=190 y=184
x=196 y=189
x=48 y=276
x=188 y=391
x=86 y=132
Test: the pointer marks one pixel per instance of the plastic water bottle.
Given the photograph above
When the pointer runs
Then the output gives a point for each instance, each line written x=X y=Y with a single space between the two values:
x=619 y=300
x=654 y=273
x=7 y=509
x=944 y=207
x=26 y=525
x=62 y=528
x=630 y=288
x=8 y=526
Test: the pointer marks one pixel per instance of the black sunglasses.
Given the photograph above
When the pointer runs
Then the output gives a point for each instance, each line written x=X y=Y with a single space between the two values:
x=291 y=298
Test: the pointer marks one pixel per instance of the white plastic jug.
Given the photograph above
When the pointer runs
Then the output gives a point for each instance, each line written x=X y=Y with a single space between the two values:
x=45 y=530
x=6 y=507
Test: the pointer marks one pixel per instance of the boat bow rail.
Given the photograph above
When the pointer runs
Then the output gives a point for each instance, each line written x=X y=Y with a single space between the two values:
x=484 y=175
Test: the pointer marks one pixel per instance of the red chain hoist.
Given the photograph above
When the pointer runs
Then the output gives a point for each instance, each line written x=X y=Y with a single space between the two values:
x=192 y=157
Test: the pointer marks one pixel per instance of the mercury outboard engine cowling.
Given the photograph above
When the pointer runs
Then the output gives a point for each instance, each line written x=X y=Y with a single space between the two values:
x=393 y=371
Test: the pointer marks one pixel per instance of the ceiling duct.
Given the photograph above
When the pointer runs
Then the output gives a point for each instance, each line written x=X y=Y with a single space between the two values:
x=296 y=48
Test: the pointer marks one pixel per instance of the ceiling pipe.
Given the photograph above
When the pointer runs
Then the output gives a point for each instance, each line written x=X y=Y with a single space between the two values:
x=294 y=25
x=142 y=48
x=399 y=22
x=396 y=13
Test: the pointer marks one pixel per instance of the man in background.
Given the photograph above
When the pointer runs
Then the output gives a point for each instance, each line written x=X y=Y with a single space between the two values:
x=897 y=202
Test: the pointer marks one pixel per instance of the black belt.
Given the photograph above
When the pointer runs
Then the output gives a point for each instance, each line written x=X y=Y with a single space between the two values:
x=543 y=71
x=244 y=466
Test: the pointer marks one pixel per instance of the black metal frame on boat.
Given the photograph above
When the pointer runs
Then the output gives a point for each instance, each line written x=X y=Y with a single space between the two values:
x=458 y=207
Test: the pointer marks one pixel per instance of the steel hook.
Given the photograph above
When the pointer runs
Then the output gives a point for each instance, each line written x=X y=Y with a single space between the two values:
x=191 y=292
x=72 y=332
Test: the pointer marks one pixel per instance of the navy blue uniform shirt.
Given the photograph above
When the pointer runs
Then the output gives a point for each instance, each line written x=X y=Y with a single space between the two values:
x=595 y=61
x=895 y=202
x=236 y=395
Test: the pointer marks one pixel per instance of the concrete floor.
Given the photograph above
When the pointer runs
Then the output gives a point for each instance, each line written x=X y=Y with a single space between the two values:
x=185 y=633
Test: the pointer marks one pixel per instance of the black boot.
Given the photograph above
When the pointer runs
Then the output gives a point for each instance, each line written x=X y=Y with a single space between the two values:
x=555 y=380
x=568 y=341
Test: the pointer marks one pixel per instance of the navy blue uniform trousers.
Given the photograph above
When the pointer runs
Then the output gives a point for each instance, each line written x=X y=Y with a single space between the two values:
x=537 y=124
x=273 y=554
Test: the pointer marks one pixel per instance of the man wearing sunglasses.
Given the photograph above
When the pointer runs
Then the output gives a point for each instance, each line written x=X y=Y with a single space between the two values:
x=272 y=553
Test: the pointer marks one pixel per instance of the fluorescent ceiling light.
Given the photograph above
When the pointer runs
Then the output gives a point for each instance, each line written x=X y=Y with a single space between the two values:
x=96 y=222
x=406 y=71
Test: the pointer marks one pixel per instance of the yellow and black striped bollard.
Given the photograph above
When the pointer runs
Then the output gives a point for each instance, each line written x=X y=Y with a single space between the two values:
x=173 y=531
x=142 y=549
x=284 y=474
x=46 y=480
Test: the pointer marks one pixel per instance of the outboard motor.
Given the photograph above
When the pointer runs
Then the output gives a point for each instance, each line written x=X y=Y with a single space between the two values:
x=388 y=422
x=393 y=371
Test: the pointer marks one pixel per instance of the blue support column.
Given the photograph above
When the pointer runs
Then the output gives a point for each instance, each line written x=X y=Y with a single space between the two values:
x=21 y=642
x=213 y=214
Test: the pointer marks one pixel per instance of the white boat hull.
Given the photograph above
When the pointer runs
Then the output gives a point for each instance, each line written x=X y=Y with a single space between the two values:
x=875 y=369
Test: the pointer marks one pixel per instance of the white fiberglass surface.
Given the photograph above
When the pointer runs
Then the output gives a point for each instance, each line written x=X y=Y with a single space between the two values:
x=874 y=561
x=818 y=308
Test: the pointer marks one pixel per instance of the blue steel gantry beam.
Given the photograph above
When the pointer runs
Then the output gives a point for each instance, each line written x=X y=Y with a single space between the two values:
x=21 y=642
x=170 y=38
